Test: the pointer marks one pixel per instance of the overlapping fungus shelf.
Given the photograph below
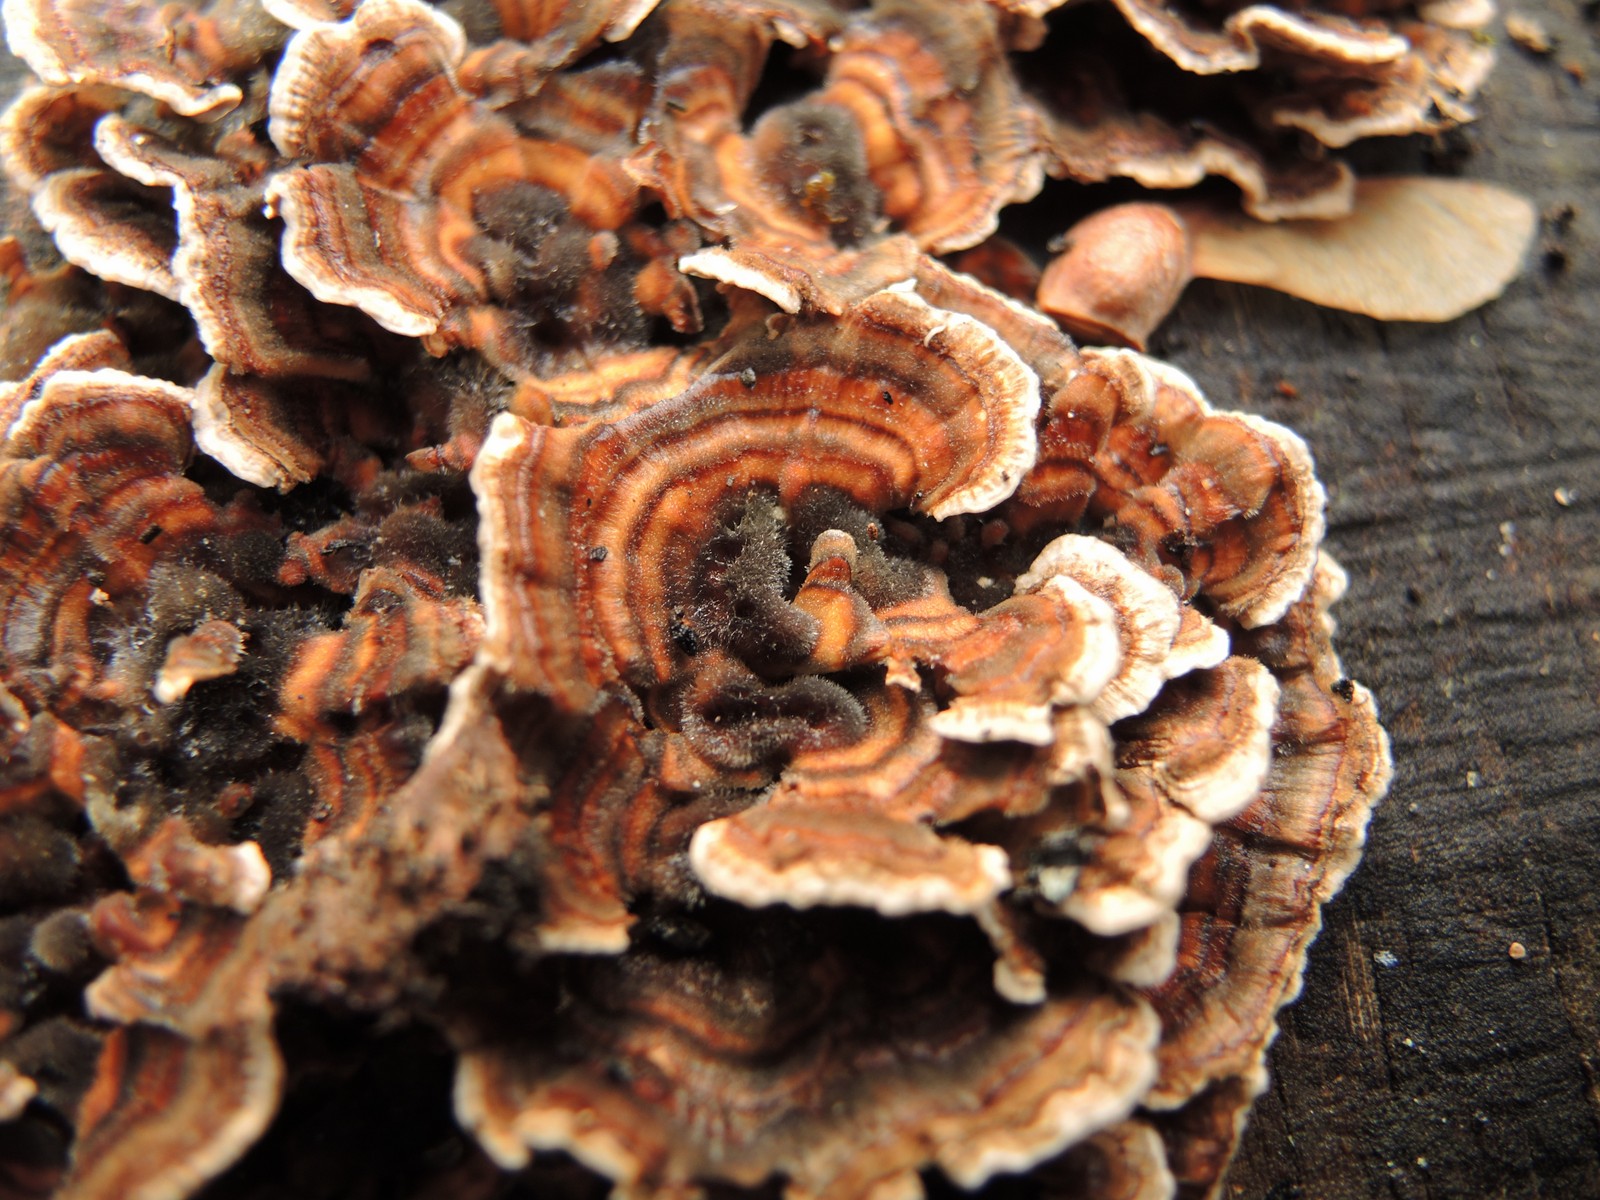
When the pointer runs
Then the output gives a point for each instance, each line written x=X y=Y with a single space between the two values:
x=565 y=625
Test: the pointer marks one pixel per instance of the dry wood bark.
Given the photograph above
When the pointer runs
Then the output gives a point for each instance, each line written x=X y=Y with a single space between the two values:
x=1463 y=464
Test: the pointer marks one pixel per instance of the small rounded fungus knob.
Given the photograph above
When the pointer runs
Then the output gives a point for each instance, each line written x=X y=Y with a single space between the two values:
x=1119 y=275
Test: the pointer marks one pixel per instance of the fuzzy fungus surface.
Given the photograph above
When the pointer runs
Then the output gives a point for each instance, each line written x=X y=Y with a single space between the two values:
x=566 y=627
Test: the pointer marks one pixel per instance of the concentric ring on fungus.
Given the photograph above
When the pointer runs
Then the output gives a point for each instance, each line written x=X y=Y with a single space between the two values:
x=515 y=542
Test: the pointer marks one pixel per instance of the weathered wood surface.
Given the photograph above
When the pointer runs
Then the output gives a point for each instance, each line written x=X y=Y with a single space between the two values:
x=1463 y=469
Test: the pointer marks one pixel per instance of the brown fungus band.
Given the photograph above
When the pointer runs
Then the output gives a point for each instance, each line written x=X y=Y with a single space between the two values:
x=541 y=628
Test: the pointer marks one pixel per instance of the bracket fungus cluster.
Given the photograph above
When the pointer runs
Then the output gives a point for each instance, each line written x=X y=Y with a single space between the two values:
x=548 y=535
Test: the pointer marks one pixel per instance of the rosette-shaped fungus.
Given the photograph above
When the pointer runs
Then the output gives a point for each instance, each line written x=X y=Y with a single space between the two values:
x=916 y=137
x=1202 y=90
x=436 y=215
x=553 y=563
x=177 y=677
x=846 y=660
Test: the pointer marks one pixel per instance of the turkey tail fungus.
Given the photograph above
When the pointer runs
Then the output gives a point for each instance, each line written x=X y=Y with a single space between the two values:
x=520 y=564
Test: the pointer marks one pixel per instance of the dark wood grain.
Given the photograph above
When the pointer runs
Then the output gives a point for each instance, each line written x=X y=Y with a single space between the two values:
x=1463 y=468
